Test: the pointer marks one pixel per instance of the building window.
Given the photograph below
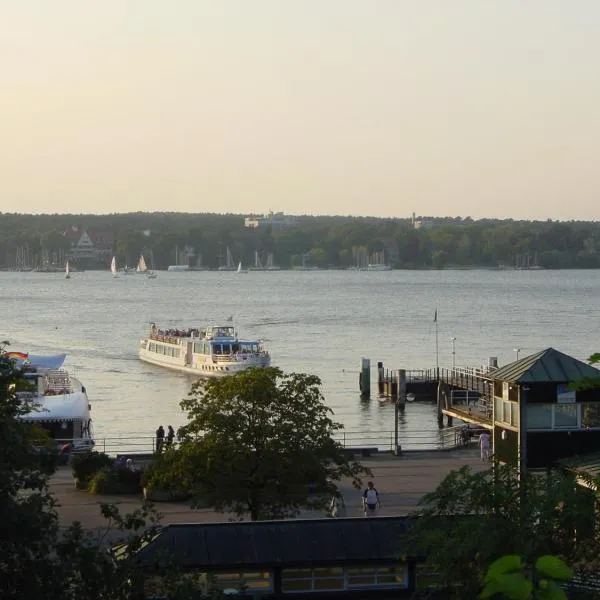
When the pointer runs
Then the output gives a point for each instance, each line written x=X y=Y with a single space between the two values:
x=259 y=582
x=553 y=416
x=338 y=578
x=539 y=416
x=590 y=414
x=506 y=412
x=566 y=415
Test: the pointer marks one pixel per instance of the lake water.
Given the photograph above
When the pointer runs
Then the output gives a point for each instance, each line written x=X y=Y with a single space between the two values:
x=318 y=322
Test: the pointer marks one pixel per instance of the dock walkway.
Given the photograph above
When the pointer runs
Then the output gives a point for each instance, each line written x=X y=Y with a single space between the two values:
x=401 y=482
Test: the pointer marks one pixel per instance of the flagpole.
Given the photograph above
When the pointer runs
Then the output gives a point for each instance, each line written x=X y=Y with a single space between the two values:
x=437 y=348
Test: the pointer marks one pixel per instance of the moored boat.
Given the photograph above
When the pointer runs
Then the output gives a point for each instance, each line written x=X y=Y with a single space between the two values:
x=58 y=401
x=215 y=351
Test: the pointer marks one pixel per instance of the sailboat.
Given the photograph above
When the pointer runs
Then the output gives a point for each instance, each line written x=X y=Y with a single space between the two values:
x=113 y=267
x=141 y=266
x=240 y=270
x=67 y=273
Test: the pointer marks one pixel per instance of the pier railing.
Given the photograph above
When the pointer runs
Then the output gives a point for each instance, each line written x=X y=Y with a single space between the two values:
x=383 y=440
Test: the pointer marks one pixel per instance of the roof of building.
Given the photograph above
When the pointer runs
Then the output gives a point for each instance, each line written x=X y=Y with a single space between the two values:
x=288 y=542
x=547 y=366
x=586 y=466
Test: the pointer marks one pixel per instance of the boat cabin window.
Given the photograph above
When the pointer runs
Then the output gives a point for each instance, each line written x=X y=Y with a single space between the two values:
x=221 y=348
x=248 y=347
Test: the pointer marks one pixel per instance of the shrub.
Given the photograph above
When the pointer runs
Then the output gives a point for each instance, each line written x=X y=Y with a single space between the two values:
x=159 y=482
x=85 y=466
x=111 y=480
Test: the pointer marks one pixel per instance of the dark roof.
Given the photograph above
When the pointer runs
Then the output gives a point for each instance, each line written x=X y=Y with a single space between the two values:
x=290 y=542
x=587 y=465
x=547 y=366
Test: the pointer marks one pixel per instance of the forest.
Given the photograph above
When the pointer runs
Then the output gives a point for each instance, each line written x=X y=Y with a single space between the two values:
x=313 y=241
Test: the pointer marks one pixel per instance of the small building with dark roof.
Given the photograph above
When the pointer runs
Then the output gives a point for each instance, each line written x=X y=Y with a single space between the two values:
x=349 y=557
x=538 y=417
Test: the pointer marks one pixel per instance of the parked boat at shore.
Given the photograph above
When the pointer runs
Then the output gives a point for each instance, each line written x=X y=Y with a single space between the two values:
x=58 y=401
x=214 y=351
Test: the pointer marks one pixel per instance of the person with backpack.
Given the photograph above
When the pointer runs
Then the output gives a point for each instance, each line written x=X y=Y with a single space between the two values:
x=370 y=499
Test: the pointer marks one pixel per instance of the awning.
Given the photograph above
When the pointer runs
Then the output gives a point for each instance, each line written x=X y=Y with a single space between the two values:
x=62 y=407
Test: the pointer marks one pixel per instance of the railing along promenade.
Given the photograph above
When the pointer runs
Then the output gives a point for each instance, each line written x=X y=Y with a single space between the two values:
x=434 y=439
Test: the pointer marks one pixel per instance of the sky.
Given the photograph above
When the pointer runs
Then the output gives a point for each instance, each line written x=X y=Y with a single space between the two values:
x=346 y=107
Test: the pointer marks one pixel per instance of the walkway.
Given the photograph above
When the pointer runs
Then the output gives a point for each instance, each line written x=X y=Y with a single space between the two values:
x=401 y=482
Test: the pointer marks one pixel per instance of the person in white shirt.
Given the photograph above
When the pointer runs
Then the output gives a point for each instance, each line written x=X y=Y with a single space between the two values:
x=370 y=499
x=485 y=445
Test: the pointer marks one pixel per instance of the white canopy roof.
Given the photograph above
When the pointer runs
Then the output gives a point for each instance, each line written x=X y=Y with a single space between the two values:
x=62 y=407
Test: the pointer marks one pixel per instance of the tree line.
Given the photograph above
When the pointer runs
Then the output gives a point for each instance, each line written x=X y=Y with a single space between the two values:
x=318 y=241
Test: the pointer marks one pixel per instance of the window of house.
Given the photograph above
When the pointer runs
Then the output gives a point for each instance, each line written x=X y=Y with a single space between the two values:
x=539 y=416
x=338 y=578
x=311 y=580
x=566 y=415
x=590 y=414
x=251 y=582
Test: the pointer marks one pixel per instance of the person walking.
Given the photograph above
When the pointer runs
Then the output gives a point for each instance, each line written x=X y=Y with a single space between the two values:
x=485 y=445
x=160 y=438
x=371 y=500
x=170 y=436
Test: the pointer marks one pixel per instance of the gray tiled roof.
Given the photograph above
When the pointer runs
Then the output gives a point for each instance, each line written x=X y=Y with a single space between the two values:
x=289 y=542
x=547 y=366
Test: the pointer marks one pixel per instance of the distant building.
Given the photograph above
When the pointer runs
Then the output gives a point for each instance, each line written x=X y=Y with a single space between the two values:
x=274 y=220
x=90 y=248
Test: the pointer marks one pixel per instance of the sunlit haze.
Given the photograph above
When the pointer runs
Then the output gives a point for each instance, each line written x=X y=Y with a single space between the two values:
x=363 y=107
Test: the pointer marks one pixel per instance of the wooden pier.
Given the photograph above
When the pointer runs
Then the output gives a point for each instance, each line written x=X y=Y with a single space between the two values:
x=461 y=393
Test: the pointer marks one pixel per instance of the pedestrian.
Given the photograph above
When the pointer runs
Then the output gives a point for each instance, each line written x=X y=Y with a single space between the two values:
x=370 y=499
x=484 y=445
x=160 y=438
x=170 y=436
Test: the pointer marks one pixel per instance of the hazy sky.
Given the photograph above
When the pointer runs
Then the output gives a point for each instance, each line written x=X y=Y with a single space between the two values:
x=373 y=107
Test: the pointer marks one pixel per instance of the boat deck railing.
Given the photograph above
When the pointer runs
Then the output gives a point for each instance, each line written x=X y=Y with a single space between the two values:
x=382 y=441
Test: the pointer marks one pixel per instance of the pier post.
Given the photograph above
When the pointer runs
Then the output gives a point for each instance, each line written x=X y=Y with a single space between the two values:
x=399 y=404
x=440 y=414
x=380 y=378
x=364 y=379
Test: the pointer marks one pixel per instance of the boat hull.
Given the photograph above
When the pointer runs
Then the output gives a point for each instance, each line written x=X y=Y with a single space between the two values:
x=206 y=370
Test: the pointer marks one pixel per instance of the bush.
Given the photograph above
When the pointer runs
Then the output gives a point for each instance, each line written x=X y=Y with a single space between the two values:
x=159 y=484
x=85 y=466
x=110 y=480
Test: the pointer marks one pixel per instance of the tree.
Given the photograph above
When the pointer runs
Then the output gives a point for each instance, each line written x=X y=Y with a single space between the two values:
x=472 y=519
x=260 y=443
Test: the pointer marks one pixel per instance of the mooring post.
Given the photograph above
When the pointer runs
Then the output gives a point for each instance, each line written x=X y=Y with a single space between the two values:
x=440 y=414
x=380 y=378
x=364 y=379
x=399 y=404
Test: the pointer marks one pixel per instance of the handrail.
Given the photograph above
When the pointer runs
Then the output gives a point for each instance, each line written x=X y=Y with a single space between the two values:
x=384 y=440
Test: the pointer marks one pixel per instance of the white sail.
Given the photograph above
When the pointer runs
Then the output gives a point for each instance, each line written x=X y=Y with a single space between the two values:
x=239 y=269
x=141 y=266
x=113 y=267
x=67 y=272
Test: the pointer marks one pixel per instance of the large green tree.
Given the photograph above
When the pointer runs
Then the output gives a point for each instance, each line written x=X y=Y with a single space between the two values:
x=472 y=519
x=260 y=443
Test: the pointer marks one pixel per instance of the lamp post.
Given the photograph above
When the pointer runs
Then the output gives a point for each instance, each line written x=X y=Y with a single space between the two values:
x=453 y=340
x=517 y=350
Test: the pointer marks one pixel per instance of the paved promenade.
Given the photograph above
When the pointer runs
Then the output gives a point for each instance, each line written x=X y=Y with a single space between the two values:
x=400 y=481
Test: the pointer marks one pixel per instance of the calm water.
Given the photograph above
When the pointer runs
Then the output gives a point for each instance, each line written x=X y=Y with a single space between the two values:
x=316 y=322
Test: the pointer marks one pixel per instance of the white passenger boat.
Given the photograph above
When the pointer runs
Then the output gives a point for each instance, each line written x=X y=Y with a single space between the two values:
x=58 y=401
x=214 y=351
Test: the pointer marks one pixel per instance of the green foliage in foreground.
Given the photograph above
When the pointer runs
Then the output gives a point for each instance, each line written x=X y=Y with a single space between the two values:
x=473 y=518
x=258 y=443
x=38 y=559
x=508 y=577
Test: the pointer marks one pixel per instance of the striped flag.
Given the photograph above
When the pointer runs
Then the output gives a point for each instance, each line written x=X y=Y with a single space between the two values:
x=17 y=355
x=435 y=316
